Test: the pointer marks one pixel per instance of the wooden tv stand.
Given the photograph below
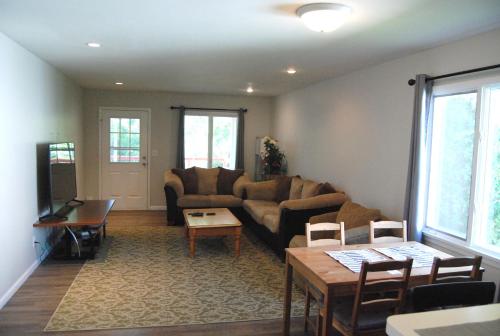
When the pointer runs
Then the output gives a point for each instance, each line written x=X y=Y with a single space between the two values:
x=92 y=214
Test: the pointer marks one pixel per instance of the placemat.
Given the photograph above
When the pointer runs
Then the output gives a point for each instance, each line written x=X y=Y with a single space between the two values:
x=352 y=259
x=421 y=258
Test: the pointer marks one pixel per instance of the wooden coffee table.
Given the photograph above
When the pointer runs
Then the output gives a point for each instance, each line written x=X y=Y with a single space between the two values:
x=223 y=223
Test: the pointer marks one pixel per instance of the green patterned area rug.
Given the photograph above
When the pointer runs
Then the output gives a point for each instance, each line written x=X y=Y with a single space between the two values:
x=143 y=277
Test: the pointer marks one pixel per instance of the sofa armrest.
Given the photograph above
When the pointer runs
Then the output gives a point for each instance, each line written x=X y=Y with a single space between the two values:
x=315 y=202
x=329 y=217
x=239 y=185
x=174 y=182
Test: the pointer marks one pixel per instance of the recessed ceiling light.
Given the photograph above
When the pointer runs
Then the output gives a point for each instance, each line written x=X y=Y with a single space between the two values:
x=119 y=83
x=323 y=17
x=249 y=89
x=93 y=45
x=291 y=70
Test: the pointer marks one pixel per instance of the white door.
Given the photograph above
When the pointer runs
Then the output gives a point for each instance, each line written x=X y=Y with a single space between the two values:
x=124 y=157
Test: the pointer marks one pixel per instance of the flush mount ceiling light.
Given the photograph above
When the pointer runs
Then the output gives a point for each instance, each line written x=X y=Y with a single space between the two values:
x=291 y=70
x=93 y=45
x=118 y=83
x=249 y=89
x=323 y=17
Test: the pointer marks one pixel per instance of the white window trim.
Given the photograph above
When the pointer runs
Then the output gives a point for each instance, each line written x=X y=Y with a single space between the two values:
x=468 y=245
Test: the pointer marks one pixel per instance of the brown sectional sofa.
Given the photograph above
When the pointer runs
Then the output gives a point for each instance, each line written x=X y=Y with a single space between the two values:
x=275 y=210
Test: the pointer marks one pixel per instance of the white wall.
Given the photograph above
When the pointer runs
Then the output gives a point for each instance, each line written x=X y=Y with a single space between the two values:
x=37 y=104
x=164 y=123
x=355 y=130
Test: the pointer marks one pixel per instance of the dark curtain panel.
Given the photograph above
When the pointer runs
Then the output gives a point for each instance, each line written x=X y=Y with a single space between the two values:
x=180 y=139
x=240 y=142
x=416 y=172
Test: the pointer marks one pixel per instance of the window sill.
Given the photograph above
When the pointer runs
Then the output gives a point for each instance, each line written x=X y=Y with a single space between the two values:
x=459 y=247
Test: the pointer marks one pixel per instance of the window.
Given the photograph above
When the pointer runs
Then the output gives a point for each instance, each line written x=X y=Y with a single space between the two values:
x=62 y=152
x=124 y=140
x=463 y=170
x=210 y=140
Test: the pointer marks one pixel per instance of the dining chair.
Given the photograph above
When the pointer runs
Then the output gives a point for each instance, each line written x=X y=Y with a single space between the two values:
x=452 y=294
x=387 y=225
x=331 y=234
x=473 y=275
x=368 y=314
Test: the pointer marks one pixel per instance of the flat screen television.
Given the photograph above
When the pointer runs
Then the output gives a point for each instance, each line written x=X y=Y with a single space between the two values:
x=56 y=178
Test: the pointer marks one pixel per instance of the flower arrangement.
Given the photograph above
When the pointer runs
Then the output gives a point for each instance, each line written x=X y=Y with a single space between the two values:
x=273 y=157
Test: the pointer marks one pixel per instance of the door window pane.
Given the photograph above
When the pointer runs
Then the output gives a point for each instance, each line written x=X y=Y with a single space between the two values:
x=196 y=141
x=451 y=161
x=224 y=142
x=124 y=140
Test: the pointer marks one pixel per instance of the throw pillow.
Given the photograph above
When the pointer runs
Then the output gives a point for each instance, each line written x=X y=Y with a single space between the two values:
x=263 y=191
x=296 y=188
x=207 y=180
x=309 y=189
x=226 y=179
x=283 y=188
x=189 y=179
x=355 y=215
x=326 y=188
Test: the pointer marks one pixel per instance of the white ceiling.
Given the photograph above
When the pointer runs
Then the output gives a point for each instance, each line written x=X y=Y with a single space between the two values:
x=219 y=46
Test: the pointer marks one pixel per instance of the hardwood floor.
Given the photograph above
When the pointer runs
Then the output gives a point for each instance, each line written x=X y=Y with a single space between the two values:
x=31 y=307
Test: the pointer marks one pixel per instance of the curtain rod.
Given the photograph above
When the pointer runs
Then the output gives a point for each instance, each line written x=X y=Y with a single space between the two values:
x=411 y=82
x=241 y=109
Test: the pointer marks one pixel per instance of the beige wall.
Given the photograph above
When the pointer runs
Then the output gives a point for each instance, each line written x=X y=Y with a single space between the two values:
x=354 y=130
x=164 y=128
x=37 y=104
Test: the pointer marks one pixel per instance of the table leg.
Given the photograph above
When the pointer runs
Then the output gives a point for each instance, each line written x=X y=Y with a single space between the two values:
x=287 y=305
x=104 y=229
x=237 y=242
x=192 y=237
x=326 y=328
x=67 y=240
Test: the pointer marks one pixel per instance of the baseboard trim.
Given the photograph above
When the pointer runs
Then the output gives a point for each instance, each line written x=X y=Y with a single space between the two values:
x=158 y=207
x=22 y=279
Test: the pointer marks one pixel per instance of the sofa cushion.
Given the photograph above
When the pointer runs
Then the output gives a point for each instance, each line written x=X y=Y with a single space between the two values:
x=283 y=188
x=264 y=191
x=326 y=188
x=207 y=180
x=355 y=215
x=298 y=241
x=296 y=188
x=189 y=179
x=309 y=189
x=226 y=179
x=224 y=201
x=272 y=222
x=194 y=201
x=258 y=209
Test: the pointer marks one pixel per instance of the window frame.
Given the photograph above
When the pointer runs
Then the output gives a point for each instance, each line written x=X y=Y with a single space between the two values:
x=449 y=88
x=211 y=115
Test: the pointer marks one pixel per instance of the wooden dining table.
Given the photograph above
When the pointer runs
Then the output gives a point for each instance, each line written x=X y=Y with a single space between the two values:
x=334 y=280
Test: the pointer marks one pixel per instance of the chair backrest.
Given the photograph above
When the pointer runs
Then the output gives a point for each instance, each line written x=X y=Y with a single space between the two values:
x=333 y=227
x=452 y=294
x=387 y=225
x=387 y=286
x=473 y=275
